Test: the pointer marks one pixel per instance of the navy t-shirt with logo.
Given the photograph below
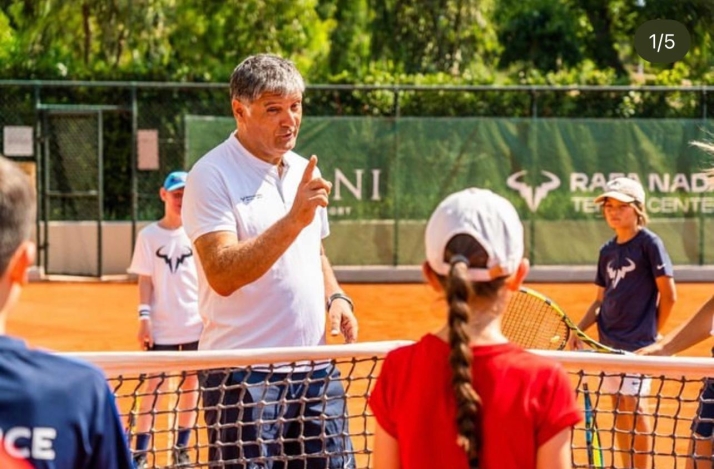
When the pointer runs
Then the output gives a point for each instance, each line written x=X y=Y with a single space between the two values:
x=627 y=272
x=57 y=413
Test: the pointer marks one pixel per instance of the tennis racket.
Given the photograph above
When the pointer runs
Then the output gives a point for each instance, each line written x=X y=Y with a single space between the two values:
x=534 y=321
x=592 y=435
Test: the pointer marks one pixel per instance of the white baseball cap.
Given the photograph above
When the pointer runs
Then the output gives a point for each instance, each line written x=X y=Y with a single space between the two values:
x=490 y=219
x=623 y=189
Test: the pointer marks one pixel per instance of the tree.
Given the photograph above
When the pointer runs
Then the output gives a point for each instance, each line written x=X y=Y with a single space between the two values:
x=349 y=39
x=155 y=39
x=539 y=34
x=423 y=36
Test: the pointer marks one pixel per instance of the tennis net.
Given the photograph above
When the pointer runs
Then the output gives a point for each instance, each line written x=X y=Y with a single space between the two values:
x=604 y=439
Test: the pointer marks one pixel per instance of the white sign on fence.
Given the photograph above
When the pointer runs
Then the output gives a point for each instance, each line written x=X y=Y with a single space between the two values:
x=148 y=149
x=18 y=140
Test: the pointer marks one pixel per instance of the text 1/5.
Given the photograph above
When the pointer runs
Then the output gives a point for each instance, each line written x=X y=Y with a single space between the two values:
x=657 y=42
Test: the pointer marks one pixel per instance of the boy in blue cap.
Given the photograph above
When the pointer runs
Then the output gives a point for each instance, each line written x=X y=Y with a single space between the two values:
x=168 y=313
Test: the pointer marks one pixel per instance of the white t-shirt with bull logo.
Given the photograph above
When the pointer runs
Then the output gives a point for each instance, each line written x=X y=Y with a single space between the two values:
x=167 y=257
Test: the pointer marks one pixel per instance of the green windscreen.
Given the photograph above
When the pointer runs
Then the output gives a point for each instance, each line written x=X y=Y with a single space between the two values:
x=389 y=174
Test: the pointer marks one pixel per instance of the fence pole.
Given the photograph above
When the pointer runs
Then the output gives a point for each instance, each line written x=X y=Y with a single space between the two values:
x=100 y=193
x=702 y=218
x=395 y=178
x=39 y=214
x=134 y=183
x=532 y=135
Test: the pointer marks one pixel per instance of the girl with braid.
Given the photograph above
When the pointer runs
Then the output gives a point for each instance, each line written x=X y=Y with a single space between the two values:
x=464 y=397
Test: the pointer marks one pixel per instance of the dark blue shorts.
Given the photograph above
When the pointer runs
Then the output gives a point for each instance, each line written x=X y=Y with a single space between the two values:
x=269 y=420
x=703 y=423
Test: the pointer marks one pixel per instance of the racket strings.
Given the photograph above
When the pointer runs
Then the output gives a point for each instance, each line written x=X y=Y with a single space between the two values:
x=532 y=322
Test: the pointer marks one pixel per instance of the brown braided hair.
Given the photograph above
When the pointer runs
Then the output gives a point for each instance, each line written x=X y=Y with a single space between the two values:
x=462 y=252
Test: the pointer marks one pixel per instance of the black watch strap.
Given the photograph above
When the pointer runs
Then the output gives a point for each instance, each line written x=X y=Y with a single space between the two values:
x=340 y=295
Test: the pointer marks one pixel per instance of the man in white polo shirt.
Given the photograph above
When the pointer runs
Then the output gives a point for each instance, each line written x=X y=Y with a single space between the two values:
x=255 y=212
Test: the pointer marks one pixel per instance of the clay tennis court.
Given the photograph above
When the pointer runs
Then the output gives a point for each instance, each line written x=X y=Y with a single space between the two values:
x=102 y=316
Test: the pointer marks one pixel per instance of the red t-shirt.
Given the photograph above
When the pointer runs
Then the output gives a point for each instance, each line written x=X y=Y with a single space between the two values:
x=527 y=399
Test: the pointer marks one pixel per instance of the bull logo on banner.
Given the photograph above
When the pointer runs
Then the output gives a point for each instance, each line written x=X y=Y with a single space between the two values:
x=533 y=195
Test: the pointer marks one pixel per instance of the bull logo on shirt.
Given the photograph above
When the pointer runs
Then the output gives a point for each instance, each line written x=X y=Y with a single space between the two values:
x=616 y=275
x=174 y=262
x=533 y=195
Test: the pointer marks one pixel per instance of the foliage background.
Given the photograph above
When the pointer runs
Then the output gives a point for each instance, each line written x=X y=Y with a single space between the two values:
x=351 y=41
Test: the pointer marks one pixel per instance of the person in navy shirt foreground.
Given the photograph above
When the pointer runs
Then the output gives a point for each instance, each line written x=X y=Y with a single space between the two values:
x=55 y=413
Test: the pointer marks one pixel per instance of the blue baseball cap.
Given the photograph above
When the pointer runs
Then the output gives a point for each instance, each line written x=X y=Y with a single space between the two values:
x=175 y=180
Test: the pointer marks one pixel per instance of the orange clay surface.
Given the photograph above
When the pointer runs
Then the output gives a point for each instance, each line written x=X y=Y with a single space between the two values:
x=102 y=316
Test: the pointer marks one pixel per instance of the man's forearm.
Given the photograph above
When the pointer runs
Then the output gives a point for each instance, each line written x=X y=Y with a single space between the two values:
x=233 y=265
x=331 y=284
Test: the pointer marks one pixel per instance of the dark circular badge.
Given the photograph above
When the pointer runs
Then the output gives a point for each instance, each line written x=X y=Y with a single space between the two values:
x=662 y=41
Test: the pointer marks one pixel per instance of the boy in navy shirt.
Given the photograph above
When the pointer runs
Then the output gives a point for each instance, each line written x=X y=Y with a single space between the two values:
x=635 y=296
x=55 y=413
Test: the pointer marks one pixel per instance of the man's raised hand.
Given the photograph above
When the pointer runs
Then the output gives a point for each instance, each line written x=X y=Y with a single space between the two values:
x=312 y=192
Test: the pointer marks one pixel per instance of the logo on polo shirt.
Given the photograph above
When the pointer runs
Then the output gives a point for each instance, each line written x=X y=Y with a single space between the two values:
x=250 y=198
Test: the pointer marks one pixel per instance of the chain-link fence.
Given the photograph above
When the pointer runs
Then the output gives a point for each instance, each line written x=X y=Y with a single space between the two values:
x=85 y=146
